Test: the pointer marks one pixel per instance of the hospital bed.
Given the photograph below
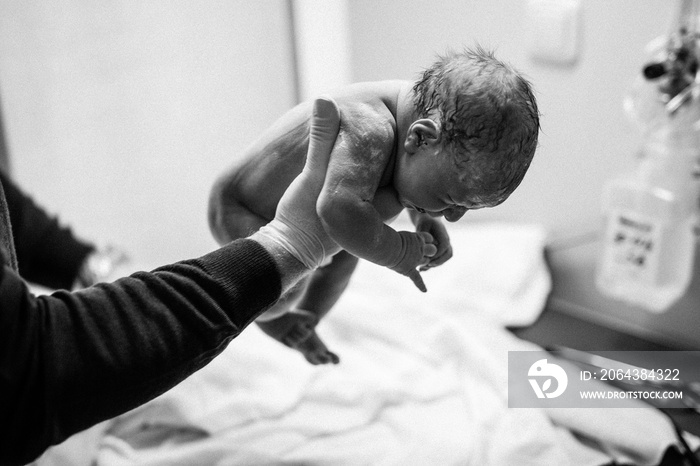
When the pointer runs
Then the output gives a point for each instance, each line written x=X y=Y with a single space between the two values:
x=422 y=380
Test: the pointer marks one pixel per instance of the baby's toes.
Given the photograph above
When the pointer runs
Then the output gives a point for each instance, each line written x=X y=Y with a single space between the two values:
x=312 y=358
x=332 y=358
x=321 y=357
x=316 y=352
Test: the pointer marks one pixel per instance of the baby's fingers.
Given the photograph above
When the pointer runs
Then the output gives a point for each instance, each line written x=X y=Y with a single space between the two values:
x=438 y=260
x=417 y=280
x=429 y=247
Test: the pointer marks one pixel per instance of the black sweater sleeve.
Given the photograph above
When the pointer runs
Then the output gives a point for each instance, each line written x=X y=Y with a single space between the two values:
x=70 y=360
x=48 y=253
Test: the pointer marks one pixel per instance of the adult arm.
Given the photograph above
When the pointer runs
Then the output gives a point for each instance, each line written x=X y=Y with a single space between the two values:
x=48 y=253
x=71 y=360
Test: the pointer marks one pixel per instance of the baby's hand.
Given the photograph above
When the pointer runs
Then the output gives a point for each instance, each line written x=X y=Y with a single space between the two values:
x=441 y=240
x=416 y=250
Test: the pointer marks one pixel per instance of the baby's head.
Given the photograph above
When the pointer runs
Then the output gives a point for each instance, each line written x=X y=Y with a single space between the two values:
x=485 y=116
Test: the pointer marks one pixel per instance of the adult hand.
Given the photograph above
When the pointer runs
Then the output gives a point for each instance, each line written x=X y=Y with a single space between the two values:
x=296 y=226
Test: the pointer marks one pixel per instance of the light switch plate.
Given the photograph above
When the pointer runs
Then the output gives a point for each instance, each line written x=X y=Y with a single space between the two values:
x=554 y=30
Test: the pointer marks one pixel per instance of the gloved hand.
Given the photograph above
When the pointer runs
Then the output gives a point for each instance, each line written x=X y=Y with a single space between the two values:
x=296 y=226
x=416 y=250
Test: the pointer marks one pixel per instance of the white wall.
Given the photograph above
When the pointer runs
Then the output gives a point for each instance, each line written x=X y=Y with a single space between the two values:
x=585 y=138
x=120 y=113
x=322 y=45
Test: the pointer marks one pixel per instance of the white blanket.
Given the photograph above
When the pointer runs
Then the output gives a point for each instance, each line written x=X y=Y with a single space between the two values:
x=422 y=380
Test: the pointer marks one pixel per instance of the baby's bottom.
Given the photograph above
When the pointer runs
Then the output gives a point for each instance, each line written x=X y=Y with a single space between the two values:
x=293 y=319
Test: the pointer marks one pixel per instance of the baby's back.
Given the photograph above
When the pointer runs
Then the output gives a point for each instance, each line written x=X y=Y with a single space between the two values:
x=263 y=172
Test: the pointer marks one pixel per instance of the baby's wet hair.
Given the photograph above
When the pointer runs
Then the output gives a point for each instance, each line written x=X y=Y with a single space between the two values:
x=487 y=112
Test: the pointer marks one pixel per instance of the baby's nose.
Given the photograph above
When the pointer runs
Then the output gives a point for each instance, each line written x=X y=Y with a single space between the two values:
x=454 y=213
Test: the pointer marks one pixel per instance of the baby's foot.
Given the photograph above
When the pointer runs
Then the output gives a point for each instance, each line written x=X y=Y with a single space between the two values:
x=291 y=328
x=315 y=351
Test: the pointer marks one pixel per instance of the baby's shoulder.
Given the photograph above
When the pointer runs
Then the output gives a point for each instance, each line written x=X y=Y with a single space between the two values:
x=370 y=106
x=368 y=133
x=367 y=120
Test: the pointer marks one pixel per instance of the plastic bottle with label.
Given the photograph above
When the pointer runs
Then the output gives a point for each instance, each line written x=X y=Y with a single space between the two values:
x=648 y=243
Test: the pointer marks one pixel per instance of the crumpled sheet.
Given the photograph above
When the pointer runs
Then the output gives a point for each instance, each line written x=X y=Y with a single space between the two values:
x=422 y=380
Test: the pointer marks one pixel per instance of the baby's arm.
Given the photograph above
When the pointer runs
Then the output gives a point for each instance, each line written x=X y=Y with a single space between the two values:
x=348 y=214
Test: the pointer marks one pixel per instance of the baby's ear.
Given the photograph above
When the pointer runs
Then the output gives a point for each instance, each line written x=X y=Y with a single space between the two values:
x=422 y=133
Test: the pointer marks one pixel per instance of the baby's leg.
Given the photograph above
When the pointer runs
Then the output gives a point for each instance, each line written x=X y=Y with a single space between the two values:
x=323 y=291
x=294 y=327
x=327 y=284
x=229 y=220
x=286 y=324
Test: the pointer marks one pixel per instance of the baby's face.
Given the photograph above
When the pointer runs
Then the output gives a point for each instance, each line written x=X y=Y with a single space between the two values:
x=430 y=183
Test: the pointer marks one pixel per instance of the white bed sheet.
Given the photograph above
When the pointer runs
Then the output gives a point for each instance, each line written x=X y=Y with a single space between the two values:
x=422 y=380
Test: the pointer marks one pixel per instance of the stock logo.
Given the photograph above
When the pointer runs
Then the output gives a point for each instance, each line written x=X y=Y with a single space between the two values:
x=543 y=371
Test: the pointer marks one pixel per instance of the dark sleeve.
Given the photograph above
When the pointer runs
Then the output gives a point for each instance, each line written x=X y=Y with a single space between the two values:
x=48 y=253
x=70 y=360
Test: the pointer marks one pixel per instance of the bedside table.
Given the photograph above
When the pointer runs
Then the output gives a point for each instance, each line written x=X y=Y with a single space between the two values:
x=578 y=316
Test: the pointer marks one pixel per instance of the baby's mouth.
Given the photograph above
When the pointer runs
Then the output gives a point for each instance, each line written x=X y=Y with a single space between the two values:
x=408 y=205
x=423 y=211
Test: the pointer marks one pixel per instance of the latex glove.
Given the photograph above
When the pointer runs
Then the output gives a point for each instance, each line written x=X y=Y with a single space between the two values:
x=296 y=226
x=416 y=250
x=441 y=239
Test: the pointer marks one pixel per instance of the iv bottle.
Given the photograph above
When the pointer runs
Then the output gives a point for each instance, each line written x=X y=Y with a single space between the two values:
x=648 y=243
